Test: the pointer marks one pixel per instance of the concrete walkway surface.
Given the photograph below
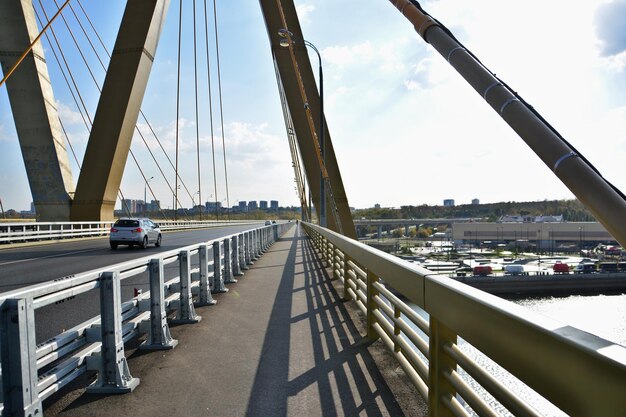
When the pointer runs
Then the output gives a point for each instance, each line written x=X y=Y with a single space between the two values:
x=281 y=342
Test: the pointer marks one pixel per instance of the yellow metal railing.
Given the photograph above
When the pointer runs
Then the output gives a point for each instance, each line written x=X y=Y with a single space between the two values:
x=579 y=373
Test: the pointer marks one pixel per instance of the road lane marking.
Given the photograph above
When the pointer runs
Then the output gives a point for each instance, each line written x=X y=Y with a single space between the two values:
x=49 y=256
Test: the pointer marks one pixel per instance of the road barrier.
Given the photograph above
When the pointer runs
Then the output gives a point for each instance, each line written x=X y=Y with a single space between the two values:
x=29 y=231
x=32 y=372
x=581 y=374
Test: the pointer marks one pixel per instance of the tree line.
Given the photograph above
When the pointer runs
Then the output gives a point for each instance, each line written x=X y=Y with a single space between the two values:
x=572 y=211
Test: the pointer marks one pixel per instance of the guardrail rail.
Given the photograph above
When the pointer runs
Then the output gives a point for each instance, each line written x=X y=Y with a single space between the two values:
x=28 y=231
x=30 y=372
x=577 y=372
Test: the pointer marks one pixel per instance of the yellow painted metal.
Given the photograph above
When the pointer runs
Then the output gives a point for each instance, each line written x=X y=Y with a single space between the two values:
x=439 y=363
x=303 y=100
x=580 y=373
x=118 y=109
x=371 y=304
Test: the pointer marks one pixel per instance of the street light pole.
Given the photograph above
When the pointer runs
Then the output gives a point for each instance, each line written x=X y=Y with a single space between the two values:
x=287 y=38
x=145 y=195
x=322 y=136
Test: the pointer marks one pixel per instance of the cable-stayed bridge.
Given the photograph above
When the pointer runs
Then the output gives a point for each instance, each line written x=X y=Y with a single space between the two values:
x=284 y=341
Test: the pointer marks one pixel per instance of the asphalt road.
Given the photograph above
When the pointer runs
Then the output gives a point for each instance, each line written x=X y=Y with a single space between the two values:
x=28 y=265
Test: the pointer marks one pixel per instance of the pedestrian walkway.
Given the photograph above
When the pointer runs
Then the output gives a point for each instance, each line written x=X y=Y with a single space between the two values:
x=280 y=343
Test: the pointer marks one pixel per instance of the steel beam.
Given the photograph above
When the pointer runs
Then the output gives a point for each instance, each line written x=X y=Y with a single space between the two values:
x=34 y=112
x=288 y=75
x=118 y=109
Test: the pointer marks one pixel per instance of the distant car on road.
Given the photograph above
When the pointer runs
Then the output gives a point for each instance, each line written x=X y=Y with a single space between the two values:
x=135 y=232
x=268 y=223
x=560 y=268
x=482 y=270
x=513 y=269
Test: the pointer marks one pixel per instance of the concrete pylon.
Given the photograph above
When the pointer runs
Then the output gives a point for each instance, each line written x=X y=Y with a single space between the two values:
x=118 y=109
x=35 y=113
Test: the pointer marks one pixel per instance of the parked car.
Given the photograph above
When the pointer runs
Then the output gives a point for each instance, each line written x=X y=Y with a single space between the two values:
x=560 y=268
x=585 y=268
x=514 y=269
x=134 y=232
x=482 y=270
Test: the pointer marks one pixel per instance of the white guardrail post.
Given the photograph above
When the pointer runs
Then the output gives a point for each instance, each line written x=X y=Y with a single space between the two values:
x=113 y=373
x=237 y=256
x=229 y=278
x=186 y=310
x=19 y=362
x=248 y=249
x=204 y=298
x=218 y=279
x=159 y=337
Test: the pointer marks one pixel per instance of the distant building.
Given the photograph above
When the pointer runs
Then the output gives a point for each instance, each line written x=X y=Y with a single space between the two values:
x=154 y=205
x=376 y=206
x=516 y=218
x=475 y=201
x=263 y=204
x=243 y=206
x=132 y=206
x=448 y=202
x=252 y=205
x=274 y=204
x=213 y=206
x=32 y=208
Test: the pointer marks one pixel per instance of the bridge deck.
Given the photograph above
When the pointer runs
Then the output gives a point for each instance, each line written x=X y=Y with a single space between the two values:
x=280 y=343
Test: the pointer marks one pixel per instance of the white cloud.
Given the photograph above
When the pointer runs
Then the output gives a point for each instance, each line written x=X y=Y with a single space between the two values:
x=304 y=11
x=68 y=115
x=4 y=136
x=616 y=63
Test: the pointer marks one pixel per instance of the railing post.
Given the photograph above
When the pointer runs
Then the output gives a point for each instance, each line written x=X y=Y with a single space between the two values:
x=113 y=374
x=346 y=276
x=237 y=256
x=218 y=279
x=243 y=248
x=256 y=250
x=19 y=395
x=228 y=263
x=371 y=305
x=248 y=249
x=397 y=313
x=186 y=310
x=159 y=337
x=204 y=298
x=439 y=388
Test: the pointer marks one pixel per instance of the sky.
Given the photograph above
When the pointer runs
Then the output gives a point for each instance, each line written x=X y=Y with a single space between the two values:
x=407 y=129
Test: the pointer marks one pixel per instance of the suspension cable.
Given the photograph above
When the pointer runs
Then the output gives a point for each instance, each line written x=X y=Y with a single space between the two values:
x=219 y=88
x=208 y=63
x=32 y=45
x=169 y=160
x=124 y=206
x=67 y=66
x=180 y=31
x=195 y=79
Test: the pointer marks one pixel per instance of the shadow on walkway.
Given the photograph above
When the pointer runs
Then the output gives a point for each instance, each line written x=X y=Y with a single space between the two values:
x=314 y=361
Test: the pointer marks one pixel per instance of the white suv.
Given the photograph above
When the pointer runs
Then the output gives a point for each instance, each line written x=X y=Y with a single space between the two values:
x=134 y=231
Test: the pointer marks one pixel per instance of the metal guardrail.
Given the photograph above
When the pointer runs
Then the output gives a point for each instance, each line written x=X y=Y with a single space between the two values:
x=26 y=231
x=581 y=374
x=31 y=372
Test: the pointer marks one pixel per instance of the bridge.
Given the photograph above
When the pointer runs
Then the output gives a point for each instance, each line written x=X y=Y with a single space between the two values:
x=286 y=318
